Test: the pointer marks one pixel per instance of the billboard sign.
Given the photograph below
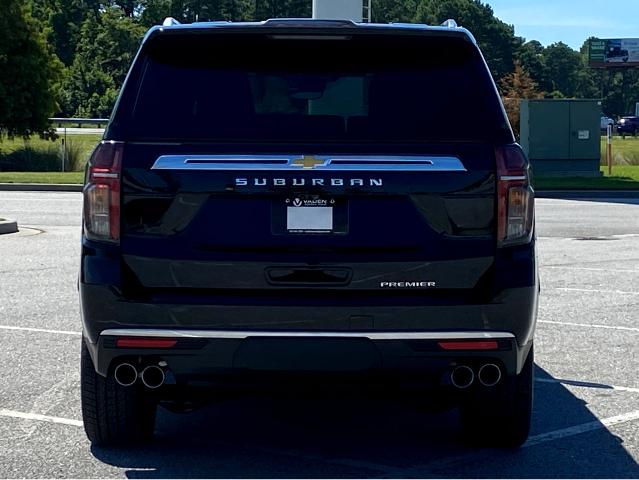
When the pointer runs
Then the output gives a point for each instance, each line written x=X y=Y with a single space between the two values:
x=618 y=52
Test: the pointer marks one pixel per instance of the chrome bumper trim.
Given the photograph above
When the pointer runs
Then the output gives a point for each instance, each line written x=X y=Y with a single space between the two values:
x=242 y=334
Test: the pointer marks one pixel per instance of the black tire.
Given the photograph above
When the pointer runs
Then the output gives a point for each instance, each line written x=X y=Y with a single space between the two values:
x=500 y=417
x=113 y=415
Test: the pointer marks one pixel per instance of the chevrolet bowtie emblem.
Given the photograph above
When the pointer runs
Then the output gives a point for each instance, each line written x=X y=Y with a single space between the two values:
x=308 y=162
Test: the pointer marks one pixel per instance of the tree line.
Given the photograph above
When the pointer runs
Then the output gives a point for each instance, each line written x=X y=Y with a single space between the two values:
x=69 y=57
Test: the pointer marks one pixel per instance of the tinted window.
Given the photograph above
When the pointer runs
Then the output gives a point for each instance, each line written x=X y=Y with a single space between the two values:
x=362 y=89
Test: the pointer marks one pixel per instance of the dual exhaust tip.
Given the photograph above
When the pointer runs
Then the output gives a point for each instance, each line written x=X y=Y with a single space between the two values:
x=463 y=376
x=152 y=376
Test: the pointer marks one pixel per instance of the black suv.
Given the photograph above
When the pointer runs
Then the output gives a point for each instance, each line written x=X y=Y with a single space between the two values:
x=287 y=200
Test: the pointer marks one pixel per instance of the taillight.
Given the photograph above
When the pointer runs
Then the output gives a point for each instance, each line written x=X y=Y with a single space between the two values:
x=102 y=192
x=145 y=342
x=469 y=345
x=515 y=196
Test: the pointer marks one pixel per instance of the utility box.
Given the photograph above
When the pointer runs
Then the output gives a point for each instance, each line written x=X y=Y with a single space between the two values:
x=562 y=138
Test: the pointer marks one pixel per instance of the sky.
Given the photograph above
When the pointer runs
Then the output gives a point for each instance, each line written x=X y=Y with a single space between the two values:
x=569 y=21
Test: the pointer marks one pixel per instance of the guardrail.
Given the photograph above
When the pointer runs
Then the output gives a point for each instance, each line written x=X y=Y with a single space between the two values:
x=71 y=124
x=79 y=121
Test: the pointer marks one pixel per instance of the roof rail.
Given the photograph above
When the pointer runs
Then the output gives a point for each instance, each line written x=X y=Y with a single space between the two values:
x=450 y=23
x=168 y=21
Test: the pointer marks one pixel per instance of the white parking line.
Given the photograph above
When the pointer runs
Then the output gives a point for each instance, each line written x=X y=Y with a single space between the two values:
x=577 y=383
x=592 y=269
x=590 y=325
x=38 y=330
x=480 y=455
x=583 y=428
x=595 y=290
x=394 y=471
x=37 y=416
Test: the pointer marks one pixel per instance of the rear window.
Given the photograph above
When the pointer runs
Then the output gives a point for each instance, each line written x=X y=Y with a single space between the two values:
x=260 y=89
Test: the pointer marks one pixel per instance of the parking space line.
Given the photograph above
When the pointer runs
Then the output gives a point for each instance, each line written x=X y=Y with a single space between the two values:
x=590 y=325
x=592 y=269
x=387 y=469
x=577 y=383
x=39 y=330
x=583 y=428
x=37 y=416
x=596 y=290
x=481 y=454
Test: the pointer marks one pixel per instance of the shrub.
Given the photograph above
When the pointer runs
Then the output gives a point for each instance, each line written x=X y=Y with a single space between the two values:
x=29 y=159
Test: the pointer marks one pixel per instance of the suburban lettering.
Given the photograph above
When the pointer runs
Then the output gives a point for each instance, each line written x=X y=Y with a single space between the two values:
x=299 y=182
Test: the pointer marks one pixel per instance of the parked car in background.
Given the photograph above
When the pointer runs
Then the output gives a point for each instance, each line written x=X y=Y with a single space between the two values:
x=605 y=121
x=628 y=125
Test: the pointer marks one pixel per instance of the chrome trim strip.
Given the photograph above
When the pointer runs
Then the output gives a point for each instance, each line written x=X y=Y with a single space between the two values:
x=512 y=177
x=239 y=334
x=104 y=175
x=298 y=163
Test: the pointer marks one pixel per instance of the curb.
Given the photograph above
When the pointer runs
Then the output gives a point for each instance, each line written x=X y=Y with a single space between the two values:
x=567 y=194
x=8 y=226
x=42 y=187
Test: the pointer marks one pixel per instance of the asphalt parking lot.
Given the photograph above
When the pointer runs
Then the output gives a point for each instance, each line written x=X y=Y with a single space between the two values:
x=586 y=418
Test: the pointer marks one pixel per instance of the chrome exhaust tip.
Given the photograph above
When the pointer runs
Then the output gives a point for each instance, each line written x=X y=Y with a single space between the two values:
x=153 y=376
x=489 y=375
x=125 y=374
x=462 y=376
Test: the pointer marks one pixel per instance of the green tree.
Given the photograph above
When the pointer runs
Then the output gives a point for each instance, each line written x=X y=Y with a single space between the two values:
x=107 y=45
x=265 y=9
x=516 y=87
x=30 y=73
x=563 y=65
x=530 y=56
x=496 y=38
x=66 y=20
x=153 y=12
x=386 y=11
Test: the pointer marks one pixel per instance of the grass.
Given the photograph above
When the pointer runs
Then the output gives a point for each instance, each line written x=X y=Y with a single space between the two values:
x=625 y=170
x=37 y=154
x=624 y=177
x=625 y=151
x=41 y=177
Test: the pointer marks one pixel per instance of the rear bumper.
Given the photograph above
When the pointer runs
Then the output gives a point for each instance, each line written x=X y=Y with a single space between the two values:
x=218 y=341
x=211 y=358
x=513 y=310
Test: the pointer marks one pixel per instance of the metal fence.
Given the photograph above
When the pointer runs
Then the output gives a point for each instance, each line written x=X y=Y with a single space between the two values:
x=64 y=122
x=74 y=125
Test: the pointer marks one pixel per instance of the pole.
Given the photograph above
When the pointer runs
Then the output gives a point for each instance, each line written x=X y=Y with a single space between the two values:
x=609 y=149
x=64 y=146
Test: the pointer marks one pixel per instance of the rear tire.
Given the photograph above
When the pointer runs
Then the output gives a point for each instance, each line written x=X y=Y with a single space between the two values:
x=113 y=415
x=500 y=417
